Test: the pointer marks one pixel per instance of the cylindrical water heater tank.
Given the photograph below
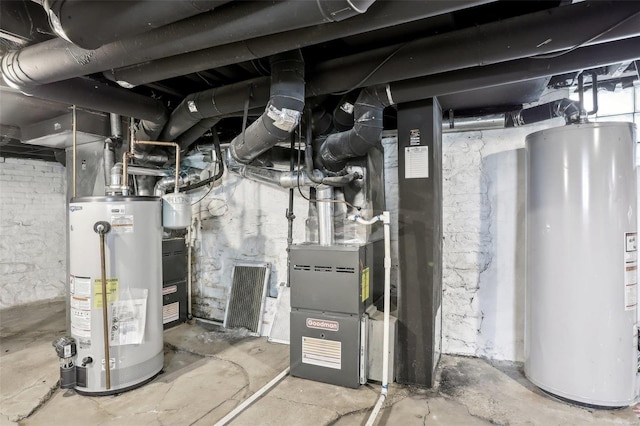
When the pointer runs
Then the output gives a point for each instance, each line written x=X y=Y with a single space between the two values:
x=133 y=254
x=581 y=262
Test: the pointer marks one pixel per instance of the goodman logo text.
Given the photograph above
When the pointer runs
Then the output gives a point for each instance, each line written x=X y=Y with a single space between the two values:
x=323 y=324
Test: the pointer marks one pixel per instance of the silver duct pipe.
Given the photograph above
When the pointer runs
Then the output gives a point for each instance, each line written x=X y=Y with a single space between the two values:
x=109 y=156
x=169 y=182
x=324 y=203
x=467 y=124
x=565 y=108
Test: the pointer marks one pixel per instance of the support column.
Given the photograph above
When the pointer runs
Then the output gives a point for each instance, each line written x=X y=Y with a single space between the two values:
x=420 y=241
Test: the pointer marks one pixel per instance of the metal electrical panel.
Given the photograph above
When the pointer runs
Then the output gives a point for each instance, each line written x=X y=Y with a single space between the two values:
x=420 y=241
x=331 y=287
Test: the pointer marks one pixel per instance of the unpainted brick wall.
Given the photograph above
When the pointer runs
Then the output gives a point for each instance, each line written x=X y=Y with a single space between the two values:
x=32 y=231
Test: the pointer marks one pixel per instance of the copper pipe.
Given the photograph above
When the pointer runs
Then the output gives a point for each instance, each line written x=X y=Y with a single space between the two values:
x=105 y=314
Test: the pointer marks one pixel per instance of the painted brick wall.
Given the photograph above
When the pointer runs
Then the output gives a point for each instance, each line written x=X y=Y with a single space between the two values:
x=483 y=229
x=32 y=231
x=248 y=226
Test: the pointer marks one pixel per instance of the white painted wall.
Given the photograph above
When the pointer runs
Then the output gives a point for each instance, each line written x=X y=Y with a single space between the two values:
x=32 y=231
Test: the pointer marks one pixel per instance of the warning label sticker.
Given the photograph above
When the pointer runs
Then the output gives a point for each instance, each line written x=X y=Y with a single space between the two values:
x=630 y=271
x=80 y=286
x=122 y=224
x=321 y=352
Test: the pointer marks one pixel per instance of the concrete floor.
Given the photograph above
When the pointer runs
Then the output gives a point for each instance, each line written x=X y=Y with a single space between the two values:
x=208 y=372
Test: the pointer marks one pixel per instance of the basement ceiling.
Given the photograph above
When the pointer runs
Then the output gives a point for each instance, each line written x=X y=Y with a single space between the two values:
x=471 y=54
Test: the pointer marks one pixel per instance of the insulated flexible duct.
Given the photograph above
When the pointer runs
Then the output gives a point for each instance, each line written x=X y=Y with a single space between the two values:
x=382 y=14
x=90 y=24
x=237 y=21
x=283 y=111
x=365 y=133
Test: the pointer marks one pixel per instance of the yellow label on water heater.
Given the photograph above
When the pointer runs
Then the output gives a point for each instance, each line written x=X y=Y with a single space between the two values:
x=112 y=291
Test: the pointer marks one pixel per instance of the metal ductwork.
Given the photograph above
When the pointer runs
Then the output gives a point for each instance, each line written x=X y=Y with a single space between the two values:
x=190 y=136
x=235 y=22
x=98 y=96
x=457 y=70
x=283 y=111
x=565 y=108
x=365 y=133
x=514 y=71
x=514 y=38
x=382 y=14
x=215 y=102
x=91 y=24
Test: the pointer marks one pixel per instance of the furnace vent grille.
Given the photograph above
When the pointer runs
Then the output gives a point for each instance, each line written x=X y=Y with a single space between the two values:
x=245 y=304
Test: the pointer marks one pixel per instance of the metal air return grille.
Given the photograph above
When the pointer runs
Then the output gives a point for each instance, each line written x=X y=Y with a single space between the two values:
x=245 y=305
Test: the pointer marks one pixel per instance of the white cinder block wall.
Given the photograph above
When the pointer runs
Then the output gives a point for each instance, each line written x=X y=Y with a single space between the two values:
x=32 y=231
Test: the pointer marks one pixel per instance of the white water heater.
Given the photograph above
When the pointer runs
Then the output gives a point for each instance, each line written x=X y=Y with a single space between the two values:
x=133 y=268
x=581 y=339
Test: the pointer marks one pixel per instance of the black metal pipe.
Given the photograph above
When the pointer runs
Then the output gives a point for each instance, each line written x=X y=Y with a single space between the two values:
x=382 y=14
x=235 y=22
x=282 y=113
x=215 y=103
x=90 y=24
x=190 y=136
x=565 y=108
x=365 y=133
x=514 y=71
x=101 y=97
x=509 y=39
x=417 y=59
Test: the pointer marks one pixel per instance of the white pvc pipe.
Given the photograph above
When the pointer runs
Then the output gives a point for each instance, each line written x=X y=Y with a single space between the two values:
x=245 y=404
x=385 y=217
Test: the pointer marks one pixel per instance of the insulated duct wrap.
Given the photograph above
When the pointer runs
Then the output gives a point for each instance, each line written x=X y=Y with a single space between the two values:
x=235 y=22
x=90 y=24
x=282 y=113
x=365 y=133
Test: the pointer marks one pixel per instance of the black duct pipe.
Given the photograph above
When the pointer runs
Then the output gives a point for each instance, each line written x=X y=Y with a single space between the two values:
x=282 y=113
x=235 y=22
x=190 y=136
x=365 y=133
x=566 y=108
x=417 y=59
x=343 y=112
x=382 y=14
x=101 y=97
x=215 y=103
x=514 y=71
x=538 y=33
x=90 y=24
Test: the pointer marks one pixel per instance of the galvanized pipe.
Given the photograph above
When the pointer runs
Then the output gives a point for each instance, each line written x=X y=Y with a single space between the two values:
x=74 y=136
x=324 y=203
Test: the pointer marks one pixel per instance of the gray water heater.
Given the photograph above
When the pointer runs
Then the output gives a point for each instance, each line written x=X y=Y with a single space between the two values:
x=133 y=255
x=581 y=338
